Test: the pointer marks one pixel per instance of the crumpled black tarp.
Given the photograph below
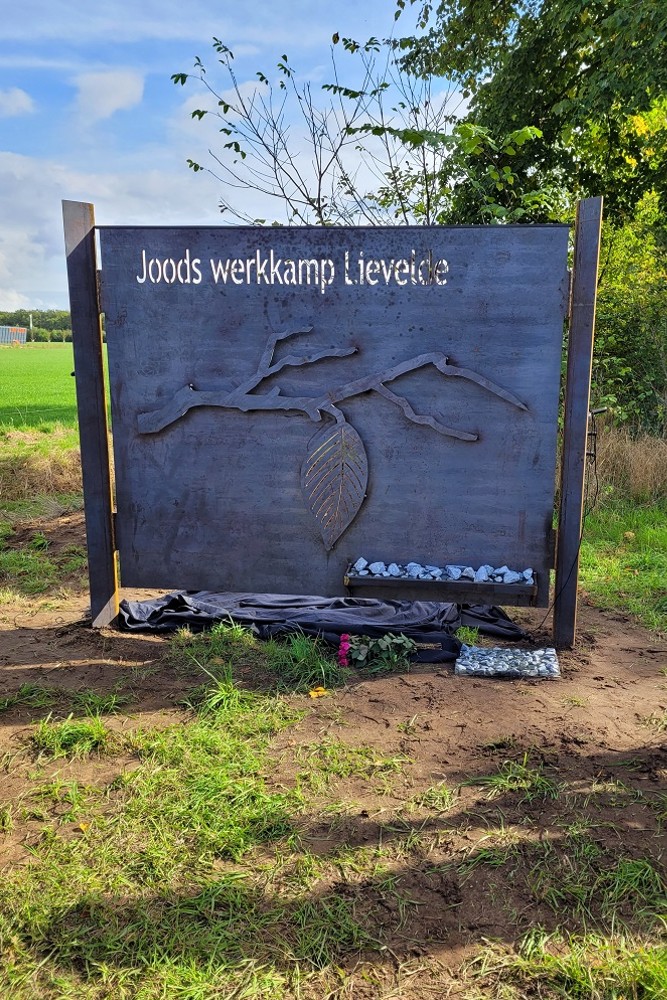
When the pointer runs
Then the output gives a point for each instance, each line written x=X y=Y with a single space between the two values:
x=430 y=624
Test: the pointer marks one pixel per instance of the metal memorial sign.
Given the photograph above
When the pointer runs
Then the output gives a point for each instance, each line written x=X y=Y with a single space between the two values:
x=287 y=400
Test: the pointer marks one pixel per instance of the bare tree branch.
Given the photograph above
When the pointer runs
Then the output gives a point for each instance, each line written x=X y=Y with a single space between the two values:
x=320 y=166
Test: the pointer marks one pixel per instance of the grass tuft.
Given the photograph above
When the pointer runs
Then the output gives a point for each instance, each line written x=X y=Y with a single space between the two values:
x=206 y=781
x=92 y=703
x=656 y=721
x=6 y=818
x=70 y=738
x=588 y=967
x=28 y=696
x=302 y=663
x=517 y=776
x=439 y=798
x=467 y=635
x=331 y=759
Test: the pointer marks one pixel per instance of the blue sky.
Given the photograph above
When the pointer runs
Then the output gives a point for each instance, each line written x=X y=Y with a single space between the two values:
x=88 y=112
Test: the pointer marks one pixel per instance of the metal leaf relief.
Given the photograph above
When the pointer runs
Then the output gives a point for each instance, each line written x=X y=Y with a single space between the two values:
x=334 y=476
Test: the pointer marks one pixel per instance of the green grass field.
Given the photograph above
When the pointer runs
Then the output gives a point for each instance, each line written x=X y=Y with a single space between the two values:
x=36 y=386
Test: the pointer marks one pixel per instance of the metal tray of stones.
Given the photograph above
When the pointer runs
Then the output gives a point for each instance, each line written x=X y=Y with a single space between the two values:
x=455 y=591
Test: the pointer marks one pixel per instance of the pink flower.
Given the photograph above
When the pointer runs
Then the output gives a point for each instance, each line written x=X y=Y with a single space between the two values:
x=343 y=650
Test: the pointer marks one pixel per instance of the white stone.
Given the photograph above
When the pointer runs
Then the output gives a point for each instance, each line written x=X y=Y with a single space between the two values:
x=498 y=661
x=454 y=572
x=527 y=574
x=468 y=573
x=377 y=567
x=511 y=577
x=360 y=564
x=393 y=569
x=482 y=575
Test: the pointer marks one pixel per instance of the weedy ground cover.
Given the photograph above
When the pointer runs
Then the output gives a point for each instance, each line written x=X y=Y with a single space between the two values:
x=33 y=562
x=237 y=851
x=518 y=776
x=624 y=559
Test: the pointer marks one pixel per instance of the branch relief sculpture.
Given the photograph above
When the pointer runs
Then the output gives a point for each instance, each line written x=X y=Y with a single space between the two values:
x=334 y=473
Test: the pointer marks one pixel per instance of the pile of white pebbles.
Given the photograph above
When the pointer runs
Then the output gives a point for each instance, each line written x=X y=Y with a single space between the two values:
x=415 y=571
x=499 y=661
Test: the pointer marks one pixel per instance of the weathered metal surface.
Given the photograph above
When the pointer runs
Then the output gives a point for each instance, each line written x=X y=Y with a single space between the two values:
x=447 y=373
x=79 y=224
x=575 y=428
x=456 y=591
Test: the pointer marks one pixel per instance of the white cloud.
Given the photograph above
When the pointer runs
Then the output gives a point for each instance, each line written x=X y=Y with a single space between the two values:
x=22 y=61
x=78 y=21
x=14 y=102
x=103 y=93
x=138 y=175
x=11 y=301
x=246 y=49
x=32 y=255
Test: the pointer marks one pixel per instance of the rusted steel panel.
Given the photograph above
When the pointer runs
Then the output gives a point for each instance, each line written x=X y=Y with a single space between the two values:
x=79 y=224
x=286 y=400
x=454 y=591
x=577 y=401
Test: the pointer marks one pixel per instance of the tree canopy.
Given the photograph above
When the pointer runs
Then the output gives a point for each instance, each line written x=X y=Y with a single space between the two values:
x=590 y=74
x=45 y=319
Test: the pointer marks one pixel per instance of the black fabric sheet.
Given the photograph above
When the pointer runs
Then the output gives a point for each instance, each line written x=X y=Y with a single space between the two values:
x=431 y=625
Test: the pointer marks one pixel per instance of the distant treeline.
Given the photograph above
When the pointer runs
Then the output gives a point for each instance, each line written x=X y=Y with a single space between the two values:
x=47 y=324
